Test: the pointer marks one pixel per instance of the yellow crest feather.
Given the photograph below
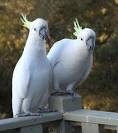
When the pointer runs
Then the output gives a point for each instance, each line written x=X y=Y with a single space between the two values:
x=77 y=28
x=25 y=22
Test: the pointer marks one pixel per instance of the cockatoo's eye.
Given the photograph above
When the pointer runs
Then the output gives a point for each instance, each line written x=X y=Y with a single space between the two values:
x=34 y=29
x=81 y=39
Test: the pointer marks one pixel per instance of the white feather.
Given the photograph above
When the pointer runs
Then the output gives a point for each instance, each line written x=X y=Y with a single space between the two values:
x=32 y=74
x=71 y=60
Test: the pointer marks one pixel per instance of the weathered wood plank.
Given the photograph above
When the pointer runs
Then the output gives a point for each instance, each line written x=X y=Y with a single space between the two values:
x=90 y=116
x=11 y=131
x=90 y=128
x=32 y=129
x=65 y=127
x=13 y=123
x=53 y=127
x=117 y=129
x=109 y=127
x=60 y=127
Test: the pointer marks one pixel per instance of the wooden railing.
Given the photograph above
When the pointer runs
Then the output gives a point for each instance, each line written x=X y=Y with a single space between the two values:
x=93 y=121
x=31 y=124
x=70 y=118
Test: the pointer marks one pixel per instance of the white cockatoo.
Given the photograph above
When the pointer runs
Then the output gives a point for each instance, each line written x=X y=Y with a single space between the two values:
x=32 y=74
x=72 y=59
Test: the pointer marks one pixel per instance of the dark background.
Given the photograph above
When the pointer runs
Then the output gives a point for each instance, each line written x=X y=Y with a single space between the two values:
x=100 y=90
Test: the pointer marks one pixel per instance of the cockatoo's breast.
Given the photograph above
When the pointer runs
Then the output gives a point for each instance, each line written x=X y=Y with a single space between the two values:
x=71 y=64
x=73 y=55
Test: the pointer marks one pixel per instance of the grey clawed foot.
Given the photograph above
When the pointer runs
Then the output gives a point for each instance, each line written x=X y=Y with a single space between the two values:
x=71 y=93
x=64 y=93
x=58 y=93
x=46 y=110
x=27 y=114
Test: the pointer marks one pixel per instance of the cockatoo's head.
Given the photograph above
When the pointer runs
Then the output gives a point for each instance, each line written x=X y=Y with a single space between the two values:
x=86 y=36
x=38 y=28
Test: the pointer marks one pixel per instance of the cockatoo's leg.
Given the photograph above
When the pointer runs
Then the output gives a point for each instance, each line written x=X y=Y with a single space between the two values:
x=26 y=109
x=57 y=91
x=70 y=92
x=16 y=105
x=70 y=89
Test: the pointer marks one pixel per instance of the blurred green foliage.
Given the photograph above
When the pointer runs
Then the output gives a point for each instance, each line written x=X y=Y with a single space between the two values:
x=100 y=90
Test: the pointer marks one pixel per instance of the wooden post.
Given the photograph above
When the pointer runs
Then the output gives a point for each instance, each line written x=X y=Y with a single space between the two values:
x=65 y=103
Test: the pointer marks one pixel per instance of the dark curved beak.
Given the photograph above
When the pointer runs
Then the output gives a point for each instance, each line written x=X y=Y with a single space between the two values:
x=90 y=43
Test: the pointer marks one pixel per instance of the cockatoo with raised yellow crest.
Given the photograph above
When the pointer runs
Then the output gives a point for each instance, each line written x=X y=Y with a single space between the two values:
x=32 y=74
x=72 y=59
